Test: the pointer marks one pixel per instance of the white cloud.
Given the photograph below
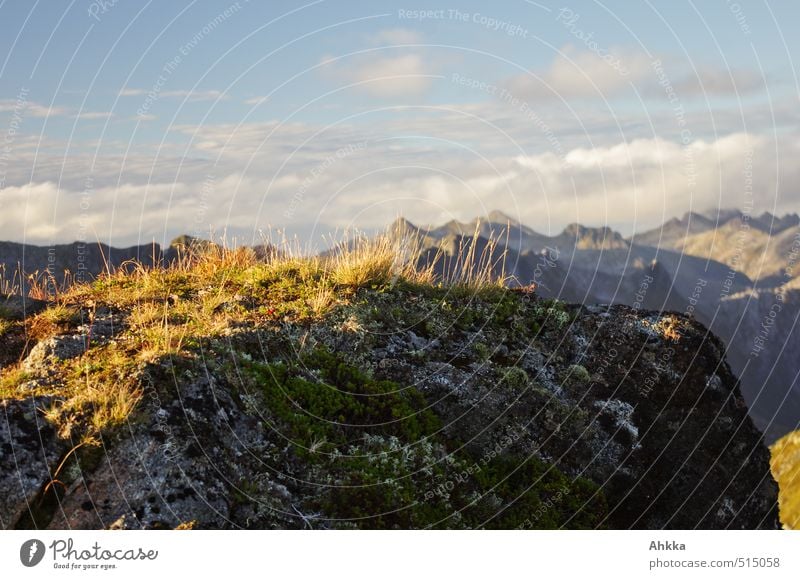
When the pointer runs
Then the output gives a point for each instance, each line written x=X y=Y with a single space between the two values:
x=590 y=164
x=36 y=110
x=31 y=109
x=327 y=185
x=576 y=73
x=383 y=76
x=716 y=81
x=649 y=180
x=90 y=115
x=394 y=36
x=189 y=95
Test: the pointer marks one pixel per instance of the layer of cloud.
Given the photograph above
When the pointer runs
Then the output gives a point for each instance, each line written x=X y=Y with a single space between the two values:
x=719 y=82
x=255 y=101
x=23 y=109
x=395 y=36
x=576 y=73
x=314 y=180
x=93 y=115
x=646 y=181
x=31 y=109
x=383 y=76
x=189 y=95
x=606 y=74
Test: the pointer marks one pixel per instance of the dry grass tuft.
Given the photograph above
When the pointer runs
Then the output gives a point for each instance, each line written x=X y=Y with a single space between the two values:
x=11 y=380
x=363 y=261
x=475 y=263
x=207 y=289
x=102 y=391
x=55 y=320
x=356 y=261
x=5 y=326
x=669 y=327
x=8 y=285
x=322 y=299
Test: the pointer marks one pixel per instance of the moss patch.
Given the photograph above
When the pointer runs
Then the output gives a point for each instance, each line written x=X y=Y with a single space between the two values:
x=324 y=398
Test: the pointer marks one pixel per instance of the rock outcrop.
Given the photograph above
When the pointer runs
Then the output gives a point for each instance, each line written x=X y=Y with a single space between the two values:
x=403 y=407
x=30 y=451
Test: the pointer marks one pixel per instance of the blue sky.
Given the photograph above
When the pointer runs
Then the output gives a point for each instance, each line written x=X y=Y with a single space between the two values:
x=130 y=120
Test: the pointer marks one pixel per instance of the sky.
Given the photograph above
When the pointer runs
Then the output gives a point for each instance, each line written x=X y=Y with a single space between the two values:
x=129 y=121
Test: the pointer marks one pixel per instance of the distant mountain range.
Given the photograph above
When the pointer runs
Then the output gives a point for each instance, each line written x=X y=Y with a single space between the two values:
x=75 y=259
x=85 y=261
x=736 y=273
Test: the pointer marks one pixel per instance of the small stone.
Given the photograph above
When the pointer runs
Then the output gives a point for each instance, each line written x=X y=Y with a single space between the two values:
x=57 y=348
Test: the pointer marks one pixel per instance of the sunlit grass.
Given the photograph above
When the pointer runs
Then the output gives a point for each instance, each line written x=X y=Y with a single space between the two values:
x=5 y=326
x=100 y=391
x=785 y=467
x=165 y=311
x=10 y=381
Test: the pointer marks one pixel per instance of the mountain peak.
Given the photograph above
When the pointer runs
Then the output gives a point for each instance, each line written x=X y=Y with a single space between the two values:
x=184 y=240
x=766 y=221
x=719 y=216
x=770 y=223
x=402 y=228
x=594 y=237
x=401 y=224
x=497 y=216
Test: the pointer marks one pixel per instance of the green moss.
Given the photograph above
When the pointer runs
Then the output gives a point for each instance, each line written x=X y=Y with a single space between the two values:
x=552 y=314
x=433 y=327
x=422 y=290
x=244 y=492
x=343 y=404
x=482 y=351
x=515 y=377
x=381 y=484
x=467 y=318
x=538 y=496
x=505 y=306
x=577 y=374
x=493 y=293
